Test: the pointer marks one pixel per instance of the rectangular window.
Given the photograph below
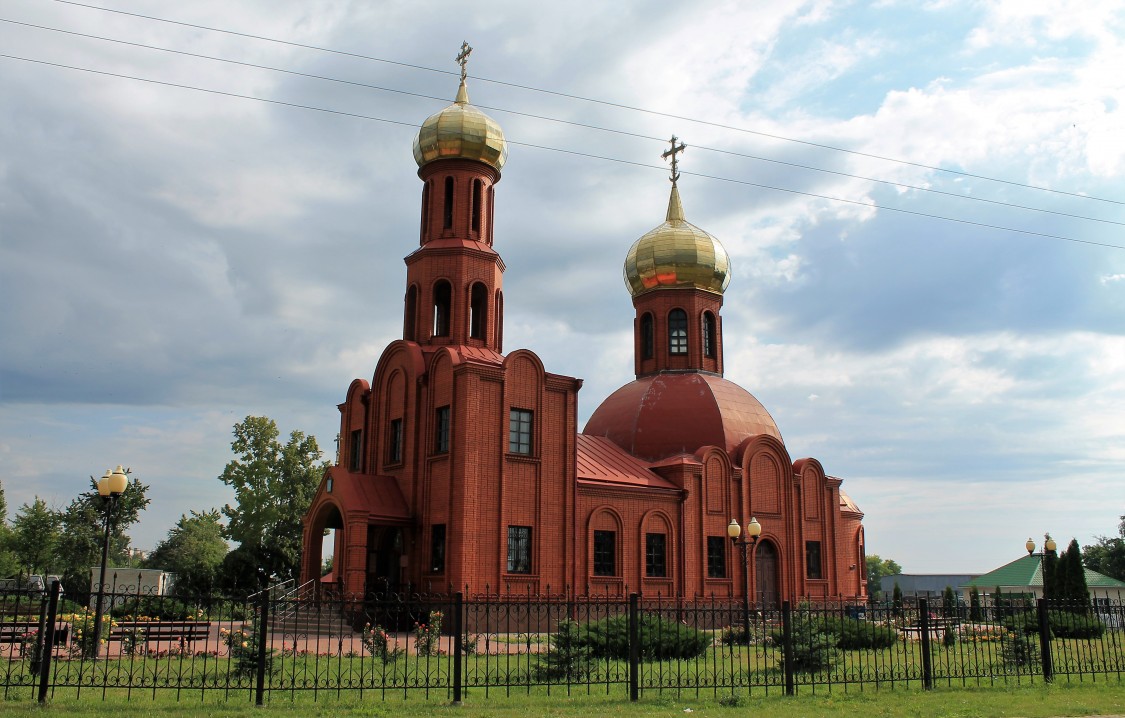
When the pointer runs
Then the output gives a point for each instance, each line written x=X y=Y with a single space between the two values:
x=716 y=557
x=605 y=553
x=519 y=549
x=519 y=432
x=437 y=548
x=441 y=431
x=394 y=442
x=812 y=560
x=356 y=450
x=655 y=564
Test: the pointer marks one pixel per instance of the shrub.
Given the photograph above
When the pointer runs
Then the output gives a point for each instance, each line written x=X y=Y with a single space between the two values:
x=242 y=645
x=82 y=632
x=427 y=636
x=1065 y=624
x=736 y=636
x=852 y=634
x=377 y=642
x=1018 y=650
x=568 y=656
x=813 y=649
x=660 y=640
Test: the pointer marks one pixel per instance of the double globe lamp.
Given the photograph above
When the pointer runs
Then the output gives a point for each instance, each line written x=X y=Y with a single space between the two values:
x=110 y=488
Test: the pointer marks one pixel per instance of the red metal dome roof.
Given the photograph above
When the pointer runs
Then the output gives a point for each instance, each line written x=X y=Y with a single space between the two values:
x=668 y=414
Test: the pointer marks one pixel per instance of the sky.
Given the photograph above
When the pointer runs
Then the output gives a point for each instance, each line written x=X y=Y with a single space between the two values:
x=922 y=202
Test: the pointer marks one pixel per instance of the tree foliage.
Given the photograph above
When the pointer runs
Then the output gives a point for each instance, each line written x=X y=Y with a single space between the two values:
x=83 y=532
x=273 y=486
x=193 y=550
x=35 y=537
x=1107 y=556
x=877 y=568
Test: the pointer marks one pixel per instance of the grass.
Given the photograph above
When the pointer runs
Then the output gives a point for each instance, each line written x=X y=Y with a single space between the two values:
x=1038 y=701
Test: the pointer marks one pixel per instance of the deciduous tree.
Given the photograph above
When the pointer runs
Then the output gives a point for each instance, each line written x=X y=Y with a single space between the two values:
x=193 y=550
x=273 y=487
x=83 y=532
x=877 y=568
x=1107 y=556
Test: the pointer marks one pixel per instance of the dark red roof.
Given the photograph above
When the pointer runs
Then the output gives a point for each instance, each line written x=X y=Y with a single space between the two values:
x=602 y=461
x=666 y=414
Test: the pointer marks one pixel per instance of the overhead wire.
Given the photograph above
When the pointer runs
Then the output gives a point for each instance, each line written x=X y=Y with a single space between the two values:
x=546 y=118
x=565 y=151
x=605 y=103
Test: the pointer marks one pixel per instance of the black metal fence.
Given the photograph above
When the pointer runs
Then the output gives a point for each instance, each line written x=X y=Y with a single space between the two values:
x=453 y=647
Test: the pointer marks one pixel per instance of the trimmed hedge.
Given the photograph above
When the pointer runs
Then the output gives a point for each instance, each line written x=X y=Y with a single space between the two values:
x=1064 y=624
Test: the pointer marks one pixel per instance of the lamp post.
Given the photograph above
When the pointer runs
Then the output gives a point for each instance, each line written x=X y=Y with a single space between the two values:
x=110 y=488
x=753 y=532
x=1049 y=545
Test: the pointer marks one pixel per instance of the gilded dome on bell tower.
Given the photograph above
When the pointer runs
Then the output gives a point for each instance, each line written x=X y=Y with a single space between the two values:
x=677 y=254
x=461 y=131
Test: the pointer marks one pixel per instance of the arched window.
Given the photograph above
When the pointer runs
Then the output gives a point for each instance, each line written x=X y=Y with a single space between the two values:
x=648 y=342
x=708 y=334
x=499 y=321
x=491 y=210
x=442 y=300
x=425 y=209
x=677 y=331
x=448 y=222
x=478 y=311
x=476 y=205
x=410 y=321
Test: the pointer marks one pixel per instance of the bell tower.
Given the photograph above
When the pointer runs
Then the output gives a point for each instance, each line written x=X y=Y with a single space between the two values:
x=454 y=293
x=677 y=274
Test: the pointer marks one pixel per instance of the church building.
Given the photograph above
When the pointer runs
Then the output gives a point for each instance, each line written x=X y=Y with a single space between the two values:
x=462 y=467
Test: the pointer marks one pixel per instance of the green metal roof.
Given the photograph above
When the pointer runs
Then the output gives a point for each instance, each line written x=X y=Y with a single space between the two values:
x=1026 y=571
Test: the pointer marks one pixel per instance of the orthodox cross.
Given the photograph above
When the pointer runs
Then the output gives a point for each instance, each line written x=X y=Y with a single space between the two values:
x=672 y=152
x=463 y=58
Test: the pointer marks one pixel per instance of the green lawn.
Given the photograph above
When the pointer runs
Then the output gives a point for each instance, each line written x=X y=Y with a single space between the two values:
x=1026 y=702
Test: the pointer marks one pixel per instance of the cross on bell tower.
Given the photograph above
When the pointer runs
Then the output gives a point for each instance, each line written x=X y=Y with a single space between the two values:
x=672 y=152
x=463 y=58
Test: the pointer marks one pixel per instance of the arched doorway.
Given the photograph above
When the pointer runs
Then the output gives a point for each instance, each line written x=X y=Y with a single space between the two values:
x=765 y=570
x=327 y=524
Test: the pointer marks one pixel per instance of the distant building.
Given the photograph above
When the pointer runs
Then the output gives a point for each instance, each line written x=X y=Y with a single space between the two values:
x=923 y=585
x=463 y=467
x=1024 y=576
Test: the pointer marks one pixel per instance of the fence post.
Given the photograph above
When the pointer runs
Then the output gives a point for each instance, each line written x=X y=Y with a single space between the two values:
x=927 y=655
x=634 y=648
x=48 y=638
x=1045 y=640
x=263 y=631
x=787 y=647
x=458 y=647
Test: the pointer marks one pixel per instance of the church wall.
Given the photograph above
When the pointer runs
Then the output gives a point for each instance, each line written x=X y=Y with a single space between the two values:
x=632 y=513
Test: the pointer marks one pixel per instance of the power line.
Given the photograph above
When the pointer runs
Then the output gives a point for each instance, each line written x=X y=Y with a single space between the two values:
x=558 y=120
x=605 y=103
x=413 y=125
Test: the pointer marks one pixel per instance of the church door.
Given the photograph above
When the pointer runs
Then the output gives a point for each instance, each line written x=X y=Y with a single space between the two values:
x=765 y=569
x=384 y=550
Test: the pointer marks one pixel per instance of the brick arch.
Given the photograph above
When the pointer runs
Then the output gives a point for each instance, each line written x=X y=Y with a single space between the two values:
x=605 y=517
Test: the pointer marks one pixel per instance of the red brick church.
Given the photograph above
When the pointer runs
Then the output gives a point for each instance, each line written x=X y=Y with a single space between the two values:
x=464 y=466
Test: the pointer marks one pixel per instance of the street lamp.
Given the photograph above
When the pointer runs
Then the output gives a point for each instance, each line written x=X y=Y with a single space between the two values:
x=753 y=532
x=1049 y=546
x=110 y=488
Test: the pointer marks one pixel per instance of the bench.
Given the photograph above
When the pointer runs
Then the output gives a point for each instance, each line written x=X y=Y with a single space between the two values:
x=14 y=631
x=161 y=631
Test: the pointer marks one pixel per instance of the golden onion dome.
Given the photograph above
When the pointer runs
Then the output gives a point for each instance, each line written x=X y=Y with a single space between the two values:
x=461 y=131
x=677 y=254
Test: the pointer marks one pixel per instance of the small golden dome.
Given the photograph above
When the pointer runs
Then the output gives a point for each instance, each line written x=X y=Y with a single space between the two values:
x=677 y=254
x=461 y=131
